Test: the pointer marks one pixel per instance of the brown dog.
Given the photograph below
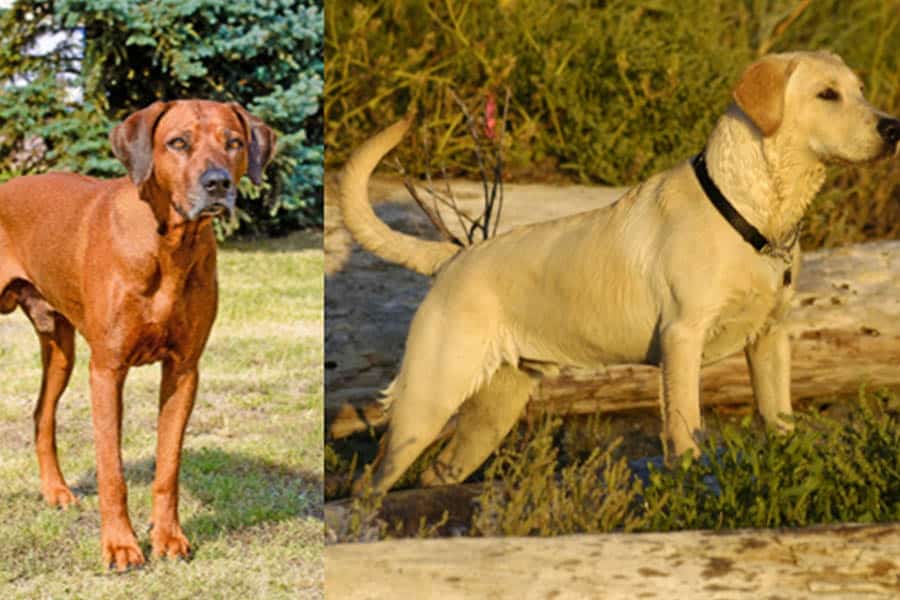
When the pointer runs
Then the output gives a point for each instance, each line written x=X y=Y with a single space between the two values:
x=131 y=264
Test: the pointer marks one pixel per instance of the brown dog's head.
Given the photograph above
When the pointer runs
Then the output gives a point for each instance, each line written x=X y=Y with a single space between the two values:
x=193 y=152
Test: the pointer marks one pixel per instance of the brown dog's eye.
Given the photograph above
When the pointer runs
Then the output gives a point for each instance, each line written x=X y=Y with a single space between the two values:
x=178 y=143
x=234 y=144
x=829 y=94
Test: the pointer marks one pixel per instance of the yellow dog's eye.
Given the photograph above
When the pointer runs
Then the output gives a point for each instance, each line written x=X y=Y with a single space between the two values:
x=829 y=94
x=234 y=144
x=178 y=143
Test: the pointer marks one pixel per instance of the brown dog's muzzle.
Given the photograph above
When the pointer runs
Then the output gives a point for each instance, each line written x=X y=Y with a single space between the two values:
x=217 y=194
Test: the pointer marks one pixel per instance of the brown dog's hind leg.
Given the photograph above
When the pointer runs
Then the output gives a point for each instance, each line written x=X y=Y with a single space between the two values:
x=57 y=338
x=58 y=357
x=483 y=422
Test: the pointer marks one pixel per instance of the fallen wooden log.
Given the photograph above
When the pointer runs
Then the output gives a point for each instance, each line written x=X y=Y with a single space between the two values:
x=844 y=329
x=842 y=561
x=448 y=510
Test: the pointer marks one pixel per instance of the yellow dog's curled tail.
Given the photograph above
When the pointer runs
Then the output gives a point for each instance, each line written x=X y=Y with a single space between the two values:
x=422 y=256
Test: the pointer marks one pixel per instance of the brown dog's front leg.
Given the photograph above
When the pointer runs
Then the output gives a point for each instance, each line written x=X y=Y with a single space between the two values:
x=116 y=534
x=176 y=399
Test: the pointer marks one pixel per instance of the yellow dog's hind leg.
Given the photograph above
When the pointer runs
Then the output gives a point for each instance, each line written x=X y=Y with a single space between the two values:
x=483 y=422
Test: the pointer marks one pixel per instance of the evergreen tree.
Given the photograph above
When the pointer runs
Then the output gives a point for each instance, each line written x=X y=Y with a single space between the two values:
x=108 y=58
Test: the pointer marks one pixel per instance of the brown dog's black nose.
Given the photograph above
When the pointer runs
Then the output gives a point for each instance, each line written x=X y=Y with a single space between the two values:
x=216 y=182
x=889 y=130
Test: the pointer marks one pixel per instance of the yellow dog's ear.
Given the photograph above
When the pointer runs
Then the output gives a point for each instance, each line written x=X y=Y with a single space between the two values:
x=132 y=141
x=760 y=92
x=261 y=140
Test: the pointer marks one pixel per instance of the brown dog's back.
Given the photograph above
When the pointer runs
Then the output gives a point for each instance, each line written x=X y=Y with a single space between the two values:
x=42 y=234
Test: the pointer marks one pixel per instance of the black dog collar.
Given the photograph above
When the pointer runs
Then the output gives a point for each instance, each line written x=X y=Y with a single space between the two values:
x=750 y=233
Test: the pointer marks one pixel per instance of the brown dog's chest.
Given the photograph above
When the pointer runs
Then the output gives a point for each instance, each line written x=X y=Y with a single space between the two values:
x=163 y=313
x=153 y=343
x=153 y=331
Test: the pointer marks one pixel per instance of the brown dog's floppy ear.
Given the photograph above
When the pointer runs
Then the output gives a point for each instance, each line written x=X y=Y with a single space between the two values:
x=132 y=141
x=760 y=92
x=262 y=142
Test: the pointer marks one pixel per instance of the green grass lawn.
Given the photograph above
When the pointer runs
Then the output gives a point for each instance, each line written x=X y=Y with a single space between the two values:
x=251 y=478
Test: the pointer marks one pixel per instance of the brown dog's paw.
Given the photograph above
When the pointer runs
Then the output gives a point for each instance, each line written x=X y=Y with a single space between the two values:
x=121 y=551
x=169 y=542
x=59 y=495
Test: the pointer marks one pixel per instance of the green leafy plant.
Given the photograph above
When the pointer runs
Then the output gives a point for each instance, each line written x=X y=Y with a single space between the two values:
x=527 y=491
x=552 y=478
x=826 y=471
x=606 y=92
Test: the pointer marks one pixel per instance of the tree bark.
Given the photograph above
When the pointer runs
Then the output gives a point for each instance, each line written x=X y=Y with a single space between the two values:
x=445 y=510
x=836 y=562
x=844 y=330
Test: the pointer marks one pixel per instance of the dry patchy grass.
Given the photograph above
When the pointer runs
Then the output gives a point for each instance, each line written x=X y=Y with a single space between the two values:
x=251 y=478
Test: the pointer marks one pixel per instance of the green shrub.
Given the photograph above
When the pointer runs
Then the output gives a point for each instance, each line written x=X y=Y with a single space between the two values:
x=827 y=471
x=265 y=54
x=556 y=477
x=604 y=92
x=528 y=492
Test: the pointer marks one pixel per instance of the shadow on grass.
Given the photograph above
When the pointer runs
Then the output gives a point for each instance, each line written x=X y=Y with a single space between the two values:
x=233 y=491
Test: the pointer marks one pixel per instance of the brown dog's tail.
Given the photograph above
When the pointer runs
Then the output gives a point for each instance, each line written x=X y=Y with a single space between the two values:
x=422 y=256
